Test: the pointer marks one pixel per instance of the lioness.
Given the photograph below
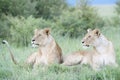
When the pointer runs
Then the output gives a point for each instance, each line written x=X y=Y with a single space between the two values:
x=102 y=53
x=49 y=51
x=103 y=49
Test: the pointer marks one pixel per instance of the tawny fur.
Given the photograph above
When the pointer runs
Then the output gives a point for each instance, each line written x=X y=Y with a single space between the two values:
x=49 y=51
x=11 y=54
x=103 y=49
x=79 y=57
x=101 y=55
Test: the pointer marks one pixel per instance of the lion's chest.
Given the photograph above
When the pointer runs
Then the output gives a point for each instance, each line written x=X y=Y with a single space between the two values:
x=104 y=55
x=44 y=57
x=103 y=59
x=44 y=60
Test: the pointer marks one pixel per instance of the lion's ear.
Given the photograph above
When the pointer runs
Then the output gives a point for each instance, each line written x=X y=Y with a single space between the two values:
x=88 y=30
x=97 y=32
x=47 y=31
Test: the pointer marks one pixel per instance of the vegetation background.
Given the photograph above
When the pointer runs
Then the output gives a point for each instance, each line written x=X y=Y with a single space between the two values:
x=19 y=18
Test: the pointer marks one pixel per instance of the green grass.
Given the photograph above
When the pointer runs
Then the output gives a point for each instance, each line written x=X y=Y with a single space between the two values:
x=9 y=71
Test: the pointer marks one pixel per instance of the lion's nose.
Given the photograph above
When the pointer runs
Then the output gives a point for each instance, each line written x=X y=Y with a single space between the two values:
x=33 y=39
x=82 y=41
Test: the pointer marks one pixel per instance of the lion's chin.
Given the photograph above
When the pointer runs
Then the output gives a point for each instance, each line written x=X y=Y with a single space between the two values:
x=86 y=45
x=35 y=45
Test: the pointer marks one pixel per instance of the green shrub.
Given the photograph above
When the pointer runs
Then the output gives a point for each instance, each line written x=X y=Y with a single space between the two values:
x=21 y=29
x=76 y=21
x=72 y=21
x=49 y=8
x=116 y=19
x=4 y=28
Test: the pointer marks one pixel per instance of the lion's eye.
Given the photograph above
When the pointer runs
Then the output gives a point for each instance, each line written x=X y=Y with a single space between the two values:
x=39 y=34
x=89 y=36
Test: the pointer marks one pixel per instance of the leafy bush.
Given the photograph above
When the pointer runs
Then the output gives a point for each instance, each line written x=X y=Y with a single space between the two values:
x=64 y=20
x=17 y=7
x=38 y=8
x=76 y=21
x=116 y=19
x=49 y=8
x=4 y=28
x=22 y=28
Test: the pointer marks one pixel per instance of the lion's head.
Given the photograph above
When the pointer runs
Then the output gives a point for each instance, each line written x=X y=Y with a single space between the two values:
x=91 y=38
x=41 y=37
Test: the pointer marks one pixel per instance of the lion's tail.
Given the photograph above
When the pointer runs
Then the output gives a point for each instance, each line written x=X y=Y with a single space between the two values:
x=11 y=54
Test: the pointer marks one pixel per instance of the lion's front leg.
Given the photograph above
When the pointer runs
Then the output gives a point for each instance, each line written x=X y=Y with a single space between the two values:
x=31 y=59
x=95 y=66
